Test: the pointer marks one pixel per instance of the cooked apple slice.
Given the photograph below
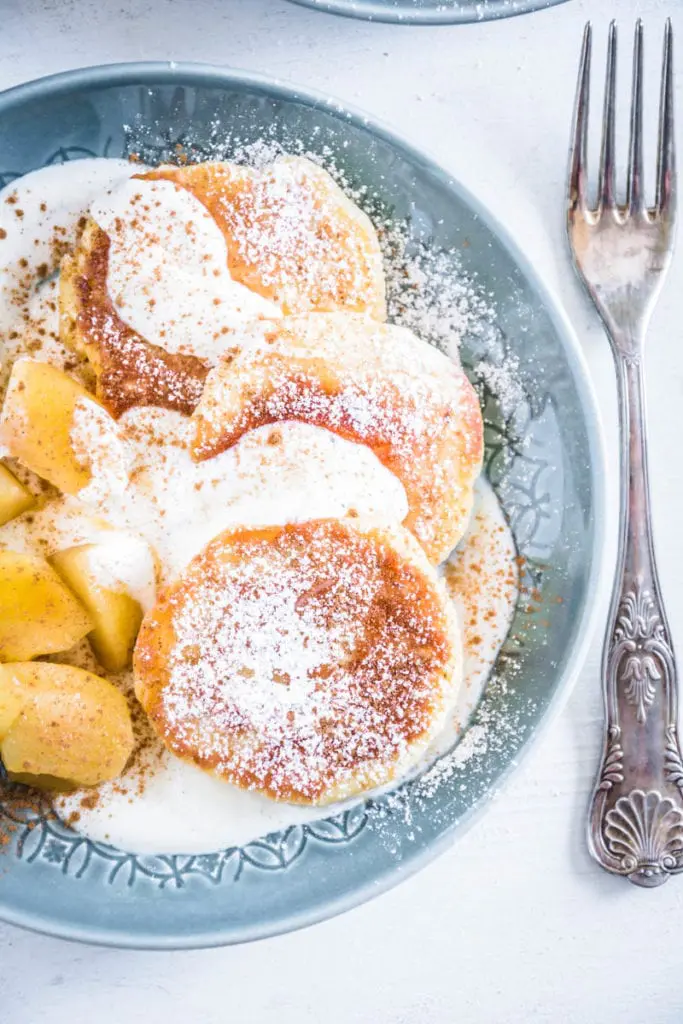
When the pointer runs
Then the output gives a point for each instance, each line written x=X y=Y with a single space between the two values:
x=68 y=728
x=116 y=615
x=46 y=783
x=37 y=422
x=38 y=613
x=12 y=700
x=14 y=497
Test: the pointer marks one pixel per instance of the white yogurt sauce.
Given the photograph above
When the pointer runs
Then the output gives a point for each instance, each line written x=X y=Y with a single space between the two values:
x=145 y=486
x=168 y=269
x=482 y=577
x=119 y=559
x=39 y=214
x=286 y=473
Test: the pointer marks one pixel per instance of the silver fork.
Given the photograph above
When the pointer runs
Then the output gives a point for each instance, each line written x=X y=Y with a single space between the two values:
x=622 y=252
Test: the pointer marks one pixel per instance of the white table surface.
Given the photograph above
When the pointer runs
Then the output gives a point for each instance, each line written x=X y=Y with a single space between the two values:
x=514 y=923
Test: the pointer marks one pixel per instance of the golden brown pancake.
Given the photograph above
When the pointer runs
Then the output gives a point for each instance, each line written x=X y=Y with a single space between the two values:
x=376 y=384
x=129 y=369
x=293 y=236
x=309 y=662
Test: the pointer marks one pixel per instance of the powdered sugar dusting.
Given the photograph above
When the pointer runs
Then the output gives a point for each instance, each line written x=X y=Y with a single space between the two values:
x=389 y=390
x=313 y=248
x=428 y=292
x=307 y=662
x=503 y=381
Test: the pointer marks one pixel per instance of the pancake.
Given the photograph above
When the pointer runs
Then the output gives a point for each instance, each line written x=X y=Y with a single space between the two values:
x=309 y=662
x=293 y=236
x=375 y=384
x=170 y=262
x=129 y=369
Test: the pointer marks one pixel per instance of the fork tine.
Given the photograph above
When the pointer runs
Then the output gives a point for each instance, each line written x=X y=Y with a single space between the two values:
x=634 y=188
x=606 y=180
x=577 y=156
x=666 y=155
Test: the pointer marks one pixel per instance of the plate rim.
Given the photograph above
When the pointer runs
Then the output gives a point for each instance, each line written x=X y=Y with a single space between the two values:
x=197 y=73
x=496 y=10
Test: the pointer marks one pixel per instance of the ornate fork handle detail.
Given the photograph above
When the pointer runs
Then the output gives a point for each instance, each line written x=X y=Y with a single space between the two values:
x=636 y=821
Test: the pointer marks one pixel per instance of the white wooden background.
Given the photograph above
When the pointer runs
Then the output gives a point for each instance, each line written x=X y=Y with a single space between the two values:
x=514 y=923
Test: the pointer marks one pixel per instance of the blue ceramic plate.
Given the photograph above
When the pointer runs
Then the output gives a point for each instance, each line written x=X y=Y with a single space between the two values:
x=543 y=457
x=429 y=12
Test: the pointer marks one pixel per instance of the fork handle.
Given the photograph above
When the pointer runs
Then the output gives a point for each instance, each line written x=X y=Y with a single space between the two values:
x=636 y=815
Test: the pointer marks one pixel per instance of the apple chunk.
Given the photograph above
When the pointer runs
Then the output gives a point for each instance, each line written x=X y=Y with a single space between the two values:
x=116 y=616
x=37 y=421
x=14 y=497
x=61 y=726
x=38 y=613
